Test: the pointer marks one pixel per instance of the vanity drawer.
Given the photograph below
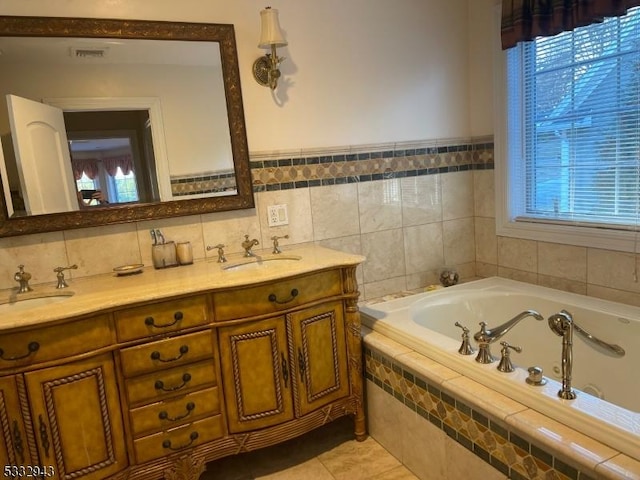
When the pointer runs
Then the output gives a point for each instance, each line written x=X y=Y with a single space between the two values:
x=165 y=443
x=163 y=317
x=59 y=341
x=171 y=382
x=166 y=353
x=175 y=412
x=280 y=295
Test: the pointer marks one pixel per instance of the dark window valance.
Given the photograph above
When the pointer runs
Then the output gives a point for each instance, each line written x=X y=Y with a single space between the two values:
x=88 y=166
x=91 y=166
x=524 y=20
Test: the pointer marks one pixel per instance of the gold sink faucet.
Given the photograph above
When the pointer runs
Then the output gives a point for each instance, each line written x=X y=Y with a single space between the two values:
x=248 y=245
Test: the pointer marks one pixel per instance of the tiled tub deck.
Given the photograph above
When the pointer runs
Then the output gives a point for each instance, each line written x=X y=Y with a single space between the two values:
x=436 y=421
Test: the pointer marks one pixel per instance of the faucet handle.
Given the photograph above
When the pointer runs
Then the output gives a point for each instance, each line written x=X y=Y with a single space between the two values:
x=505 y=364
x=465 y=347
x=276 y=245
x=220 y=247
x=465 y=330
x=60 y=275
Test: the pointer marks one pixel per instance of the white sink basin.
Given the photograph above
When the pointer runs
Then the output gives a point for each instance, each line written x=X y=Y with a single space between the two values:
x=256 y=263
x=20 y=302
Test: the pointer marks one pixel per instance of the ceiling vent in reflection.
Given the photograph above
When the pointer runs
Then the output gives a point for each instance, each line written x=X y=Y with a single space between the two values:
x=88 y=52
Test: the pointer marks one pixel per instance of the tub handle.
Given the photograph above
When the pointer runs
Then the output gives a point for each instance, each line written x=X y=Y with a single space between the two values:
x=465 y=347
x=505 y=364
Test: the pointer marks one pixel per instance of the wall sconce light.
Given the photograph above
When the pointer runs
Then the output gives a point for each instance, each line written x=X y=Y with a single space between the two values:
x=265 y=68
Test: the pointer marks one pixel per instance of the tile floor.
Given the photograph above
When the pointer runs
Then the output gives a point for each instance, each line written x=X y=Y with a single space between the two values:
x=328 y=453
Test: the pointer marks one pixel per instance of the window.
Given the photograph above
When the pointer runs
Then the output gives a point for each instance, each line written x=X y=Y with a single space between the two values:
x=571 y=141
x=124 y=186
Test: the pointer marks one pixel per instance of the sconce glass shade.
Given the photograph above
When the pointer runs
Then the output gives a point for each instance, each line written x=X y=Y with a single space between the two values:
x=271 y=35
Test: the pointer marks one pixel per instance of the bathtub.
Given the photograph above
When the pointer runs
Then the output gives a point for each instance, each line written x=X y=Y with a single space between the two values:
x=607 y=407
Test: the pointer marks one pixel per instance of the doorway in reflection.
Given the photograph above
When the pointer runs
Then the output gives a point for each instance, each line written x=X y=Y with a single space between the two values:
x=106 y=176
x=106 y=158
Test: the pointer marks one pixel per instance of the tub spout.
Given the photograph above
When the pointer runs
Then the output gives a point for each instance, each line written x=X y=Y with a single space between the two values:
x=486 y=336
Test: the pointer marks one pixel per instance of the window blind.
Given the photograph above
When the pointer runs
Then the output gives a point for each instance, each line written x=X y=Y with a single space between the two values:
x=574 y=125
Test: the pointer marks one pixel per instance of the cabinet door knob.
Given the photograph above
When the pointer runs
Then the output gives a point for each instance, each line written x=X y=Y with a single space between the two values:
x=285 y=370
x=301 y=365
x=44 y=436
x=18 y=444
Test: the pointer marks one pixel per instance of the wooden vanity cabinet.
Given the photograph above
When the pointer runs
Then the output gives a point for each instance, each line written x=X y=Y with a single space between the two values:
x=256 y=374
x=17 y=443
x=64 y=419
x=75 y=415
x=318 y=354
x=157 y=389
x=60 y=417
x=283 y=367
x=170 y=382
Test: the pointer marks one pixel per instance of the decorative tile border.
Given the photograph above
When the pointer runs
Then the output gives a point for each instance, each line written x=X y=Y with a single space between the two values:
x=204 y=183
x=498 y=446
x=339 y=168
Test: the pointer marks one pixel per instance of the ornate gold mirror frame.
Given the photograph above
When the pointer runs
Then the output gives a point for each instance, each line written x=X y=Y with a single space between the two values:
x=224 y=34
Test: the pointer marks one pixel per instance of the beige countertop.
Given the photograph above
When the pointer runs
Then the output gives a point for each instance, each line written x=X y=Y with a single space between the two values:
x=109 y=291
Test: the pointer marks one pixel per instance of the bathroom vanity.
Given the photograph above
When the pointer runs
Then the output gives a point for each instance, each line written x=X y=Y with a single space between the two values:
x=153 y=375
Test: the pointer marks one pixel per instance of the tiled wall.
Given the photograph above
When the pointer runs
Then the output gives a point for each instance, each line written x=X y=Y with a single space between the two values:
x=589 y=271
x=408 y=210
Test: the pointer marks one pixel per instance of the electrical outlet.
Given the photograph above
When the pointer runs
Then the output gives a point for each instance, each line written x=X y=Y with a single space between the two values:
x=277 y=215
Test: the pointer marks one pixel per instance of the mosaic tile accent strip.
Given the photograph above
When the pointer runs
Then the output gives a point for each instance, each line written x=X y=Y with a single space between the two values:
x=336 y=169
x=208 y=183
x=503 y=449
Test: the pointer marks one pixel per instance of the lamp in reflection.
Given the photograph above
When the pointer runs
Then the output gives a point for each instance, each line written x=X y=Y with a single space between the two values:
x=265 y=68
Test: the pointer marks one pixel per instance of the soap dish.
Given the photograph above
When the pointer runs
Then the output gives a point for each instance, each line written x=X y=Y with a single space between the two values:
x=123 y=270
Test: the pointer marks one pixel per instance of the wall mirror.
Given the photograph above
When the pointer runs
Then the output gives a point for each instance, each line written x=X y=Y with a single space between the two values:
x=147 y=113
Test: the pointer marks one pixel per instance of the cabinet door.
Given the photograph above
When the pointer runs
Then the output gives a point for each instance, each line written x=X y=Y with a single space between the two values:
x=76 y=417
x=319 y=356
x=15 y=447
x=256 y=374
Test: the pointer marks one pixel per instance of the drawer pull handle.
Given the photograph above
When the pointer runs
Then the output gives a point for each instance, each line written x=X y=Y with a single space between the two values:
x=32 y=348
x=192 y=438
x=285 y=371
x=155 y=355
x=150 y=321
x=301 y=365
x=160 y=384
x=163 y=415
x=273 y=298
